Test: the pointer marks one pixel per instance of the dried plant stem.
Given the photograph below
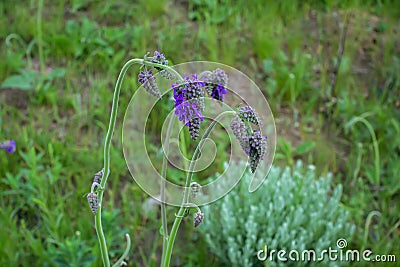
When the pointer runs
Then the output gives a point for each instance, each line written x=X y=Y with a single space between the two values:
x=107 y=147
x=184 y=206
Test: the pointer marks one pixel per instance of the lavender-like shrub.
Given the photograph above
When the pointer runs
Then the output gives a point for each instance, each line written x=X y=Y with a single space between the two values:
x=292 y=210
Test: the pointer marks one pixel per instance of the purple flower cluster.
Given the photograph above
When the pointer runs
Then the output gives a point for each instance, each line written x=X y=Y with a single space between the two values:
x=189 y=103
x=159 y=58
x=247 y=113
x=252 y=142
x=93 y=202
x=9 y=146
x=215 y=84
x=240 y=131
x=258 y=147
x=146 y=78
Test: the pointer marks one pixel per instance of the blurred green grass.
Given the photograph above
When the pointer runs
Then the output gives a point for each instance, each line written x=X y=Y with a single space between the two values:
x=289 y=48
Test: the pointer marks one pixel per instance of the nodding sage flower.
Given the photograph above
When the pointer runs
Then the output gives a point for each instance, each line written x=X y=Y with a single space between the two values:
x=160 y=59
x=93 y=202
x=189 y=103
x=9 y=146
x=215 y=83
x=258 y=145
x=247 y=113
x=198 y=218
x=251 y=141
x=98 y=176
x=146 y=78
x=240 y=131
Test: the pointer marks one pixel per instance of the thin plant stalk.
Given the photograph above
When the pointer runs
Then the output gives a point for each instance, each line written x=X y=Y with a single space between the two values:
x=374 y=144
x=162 y=191
x=39 y=35
x=178 y=218
x=107 y=147
x=163 y=183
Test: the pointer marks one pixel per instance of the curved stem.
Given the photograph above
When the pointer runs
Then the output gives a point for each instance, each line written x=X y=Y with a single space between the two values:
x=128 y=247
x=374 y=144
x=184 y=205
x=107 y=147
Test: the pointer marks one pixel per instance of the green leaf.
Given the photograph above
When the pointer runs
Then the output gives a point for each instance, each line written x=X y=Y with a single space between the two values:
x=57 y=73
x=18 y=82
x=305 y=147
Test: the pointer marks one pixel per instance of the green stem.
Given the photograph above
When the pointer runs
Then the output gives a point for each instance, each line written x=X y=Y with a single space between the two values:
x=107 y=147
x=39 y=35
x=184 y=206
x=374 y=144
x=162 y=193
x=126 y=252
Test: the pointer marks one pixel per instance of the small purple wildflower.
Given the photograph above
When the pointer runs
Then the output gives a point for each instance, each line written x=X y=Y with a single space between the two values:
x=160 y=59
x=216 y=82
x=189 y=103
x=240 y=131
x=247 y=113
x=258 y=148
x=146 y=78
x=9 y=146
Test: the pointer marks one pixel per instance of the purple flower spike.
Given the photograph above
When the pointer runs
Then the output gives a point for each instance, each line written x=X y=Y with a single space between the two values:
x=247 y=113
x=189 y=103
x=216 y=82
x=9 y=146
x=258 y=148
x=146 y=78
x=240 y=131
x=160 y=59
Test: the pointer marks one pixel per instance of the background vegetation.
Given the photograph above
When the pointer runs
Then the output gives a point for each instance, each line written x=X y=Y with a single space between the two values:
x=330 y=70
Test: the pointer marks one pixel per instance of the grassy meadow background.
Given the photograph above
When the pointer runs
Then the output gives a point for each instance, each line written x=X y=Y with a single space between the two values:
x=329 y=69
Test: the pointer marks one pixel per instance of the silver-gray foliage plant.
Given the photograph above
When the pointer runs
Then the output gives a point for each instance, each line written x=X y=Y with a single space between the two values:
x=292 y=210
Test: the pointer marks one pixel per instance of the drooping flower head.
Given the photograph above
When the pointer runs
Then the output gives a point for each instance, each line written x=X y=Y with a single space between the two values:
x=189 y=103
x=9 y=146
x=252 y=142
x=247 y=113
x=93 y=202
x=98 y=176
x=160 y=59
x=146 y=78
x=240 y=131
x=216 y=82
x=198 y=218
x=258 y=148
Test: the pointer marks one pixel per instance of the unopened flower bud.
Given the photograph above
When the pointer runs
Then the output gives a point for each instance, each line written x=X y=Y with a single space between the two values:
x=198 y=218
x=93 y=202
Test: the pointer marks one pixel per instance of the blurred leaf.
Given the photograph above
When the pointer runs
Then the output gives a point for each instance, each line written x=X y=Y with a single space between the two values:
x=305 y=147
x=57 y=73
x=19 y=82
x=268 y=66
